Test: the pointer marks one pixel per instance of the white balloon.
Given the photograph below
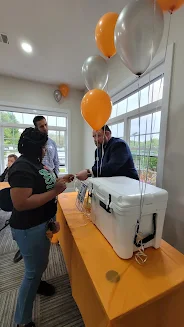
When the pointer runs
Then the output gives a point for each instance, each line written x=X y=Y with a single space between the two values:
x=95 y=72
x=138 y=34
x=57 y=95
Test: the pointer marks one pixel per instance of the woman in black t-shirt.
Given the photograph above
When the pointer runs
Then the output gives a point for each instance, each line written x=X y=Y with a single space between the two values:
x=33 y=191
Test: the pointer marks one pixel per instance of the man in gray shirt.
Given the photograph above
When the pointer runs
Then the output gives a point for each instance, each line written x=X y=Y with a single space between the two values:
x=51 y=160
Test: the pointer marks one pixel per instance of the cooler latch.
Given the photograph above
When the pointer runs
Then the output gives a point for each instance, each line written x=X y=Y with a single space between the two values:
x=106 y=207
x=90 y=192
x=147 y=238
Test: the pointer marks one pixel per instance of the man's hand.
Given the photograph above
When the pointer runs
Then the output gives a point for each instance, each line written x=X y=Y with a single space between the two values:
x=82 y=175
x=67 y=178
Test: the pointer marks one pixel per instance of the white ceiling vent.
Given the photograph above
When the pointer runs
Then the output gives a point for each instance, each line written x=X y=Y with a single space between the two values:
x=4 y=38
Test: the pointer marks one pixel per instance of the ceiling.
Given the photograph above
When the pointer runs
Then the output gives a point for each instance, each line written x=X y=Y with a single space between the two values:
x=61 y=33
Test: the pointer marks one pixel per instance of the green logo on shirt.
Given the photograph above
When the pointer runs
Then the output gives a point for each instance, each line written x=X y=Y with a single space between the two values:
x=49 y=177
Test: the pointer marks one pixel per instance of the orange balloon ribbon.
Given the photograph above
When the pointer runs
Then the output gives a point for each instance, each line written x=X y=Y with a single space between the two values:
x=170 y=5
x=96 y=107
x=64 y=89
x=104 y=34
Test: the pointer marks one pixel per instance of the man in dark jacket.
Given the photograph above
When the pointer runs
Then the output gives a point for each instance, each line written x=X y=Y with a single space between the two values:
x=11 y=159
x=112 y=157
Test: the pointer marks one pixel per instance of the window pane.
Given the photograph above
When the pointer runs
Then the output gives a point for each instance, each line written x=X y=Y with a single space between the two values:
x=145 y=146
x=28 y=119
x=156 y=122
x=53 y=135
x=114 y=111
x=121 y=107
x=148 y=124
x=62 y=161
x=144 y=96
x=61 y=121
x=133 y=102
x=158 y=90
x=120 y=130
x=61 y=139
x=51 y=121
x=17 y=134
x=134 y=127
x=145 y=124
x=18 y=117
x=114 y=130
x=10 y=117
x=12 y=134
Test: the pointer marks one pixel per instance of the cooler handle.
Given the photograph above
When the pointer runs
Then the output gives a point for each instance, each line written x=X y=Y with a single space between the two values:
x=147 y=238
x=106 y=207
x=102 y=199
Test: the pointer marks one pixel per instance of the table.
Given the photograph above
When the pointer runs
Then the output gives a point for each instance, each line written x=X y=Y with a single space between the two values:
x=149 y=295
x=4 y=185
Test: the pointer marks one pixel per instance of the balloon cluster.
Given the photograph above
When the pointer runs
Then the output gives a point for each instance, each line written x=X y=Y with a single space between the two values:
x=135 y=36
x=61 y=92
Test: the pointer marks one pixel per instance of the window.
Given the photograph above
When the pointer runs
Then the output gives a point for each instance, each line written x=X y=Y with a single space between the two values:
x=145 y=145
x=142 y=134
x=148 y=94
x=117 y=130
x=12 y=125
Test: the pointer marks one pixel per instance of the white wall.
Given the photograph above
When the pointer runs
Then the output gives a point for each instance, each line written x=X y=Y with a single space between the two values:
x=174 y=154
x=17 y=91
x=89 y=147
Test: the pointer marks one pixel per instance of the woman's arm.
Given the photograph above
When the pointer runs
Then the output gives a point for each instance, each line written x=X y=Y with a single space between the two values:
x=23 y=199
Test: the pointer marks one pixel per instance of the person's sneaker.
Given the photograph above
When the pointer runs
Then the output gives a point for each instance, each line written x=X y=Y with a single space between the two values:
x=46 y=289
x=31 y=324
x=17 y=257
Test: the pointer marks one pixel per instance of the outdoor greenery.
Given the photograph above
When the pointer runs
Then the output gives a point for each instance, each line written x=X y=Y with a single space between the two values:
x=148 y=159
x=11 y=135
x=150 y=162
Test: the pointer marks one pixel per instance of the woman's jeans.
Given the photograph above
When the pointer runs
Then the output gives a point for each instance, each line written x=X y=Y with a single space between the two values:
x=34 y=247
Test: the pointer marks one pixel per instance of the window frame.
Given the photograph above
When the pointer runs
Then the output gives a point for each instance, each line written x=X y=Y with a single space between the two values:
x=161 y=67
x=19 y=108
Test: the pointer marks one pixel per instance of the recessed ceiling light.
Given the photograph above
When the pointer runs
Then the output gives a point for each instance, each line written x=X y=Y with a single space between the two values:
x=26 y=47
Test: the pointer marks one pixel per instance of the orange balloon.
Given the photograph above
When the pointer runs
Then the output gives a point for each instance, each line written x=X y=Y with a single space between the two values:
x=170 y=5
x=96 y=108
x=64 y=89
x=104 y=34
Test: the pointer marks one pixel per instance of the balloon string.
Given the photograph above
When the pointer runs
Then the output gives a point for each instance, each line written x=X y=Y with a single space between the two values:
x=161 y=80
x=107 y=86
x=153 y=124
x=103 y=143
x=151 y=139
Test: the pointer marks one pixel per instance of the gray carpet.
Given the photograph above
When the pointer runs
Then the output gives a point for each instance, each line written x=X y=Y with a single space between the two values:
x=57 y=311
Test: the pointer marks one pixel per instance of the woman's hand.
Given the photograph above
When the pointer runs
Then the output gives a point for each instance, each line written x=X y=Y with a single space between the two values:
x=68 y=178
x=60 y=186
x=57 y=227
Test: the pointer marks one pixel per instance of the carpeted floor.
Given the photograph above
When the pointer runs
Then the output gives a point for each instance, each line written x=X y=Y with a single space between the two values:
x=57 y=311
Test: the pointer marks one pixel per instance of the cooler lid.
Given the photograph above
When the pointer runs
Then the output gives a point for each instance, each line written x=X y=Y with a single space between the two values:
x=126 y=192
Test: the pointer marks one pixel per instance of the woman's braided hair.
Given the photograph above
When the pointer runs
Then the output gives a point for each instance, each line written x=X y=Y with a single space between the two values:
x=31 y=143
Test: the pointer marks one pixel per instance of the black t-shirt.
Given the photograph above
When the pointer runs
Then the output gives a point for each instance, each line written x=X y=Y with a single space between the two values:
x=26 y=173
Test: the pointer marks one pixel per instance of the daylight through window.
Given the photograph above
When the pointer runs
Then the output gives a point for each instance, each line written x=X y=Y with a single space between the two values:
x=12 y=125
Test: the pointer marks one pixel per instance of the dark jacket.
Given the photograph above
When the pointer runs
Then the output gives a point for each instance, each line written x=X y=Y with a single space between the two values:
x=117 y=160
x=4 y=176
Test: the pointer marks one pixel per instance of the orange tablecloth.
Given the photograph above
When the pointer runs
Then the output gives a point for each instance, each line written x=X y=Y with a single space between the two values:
x=4 y=185
x=149 y=295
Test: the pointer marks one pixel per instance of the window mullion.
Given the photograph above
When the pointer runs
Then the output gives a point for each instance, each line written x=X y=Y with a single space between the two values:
x=126 y=130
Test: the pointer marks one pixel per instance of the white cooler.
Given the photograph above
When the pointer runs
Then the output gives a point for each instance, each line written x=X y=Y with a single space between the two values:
x=116 y=208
